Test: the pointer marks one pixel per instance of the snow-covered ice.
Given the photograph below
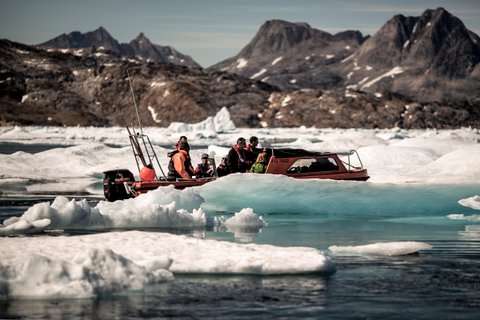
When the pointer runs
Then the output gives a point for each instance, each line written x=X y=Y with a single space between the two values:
x=107 y=263
x=104 y=263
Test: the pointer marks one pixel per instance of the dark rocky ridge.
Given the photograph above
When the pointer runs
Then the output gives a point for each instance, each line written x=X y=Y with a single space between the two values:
x=54 y=88
x=293 y=55
x=141 y=47
x=429 y=58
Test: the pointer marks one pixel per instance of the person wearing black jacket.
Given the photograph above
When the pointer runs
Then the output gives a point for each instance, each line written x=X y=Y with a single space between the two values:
x=239 y=159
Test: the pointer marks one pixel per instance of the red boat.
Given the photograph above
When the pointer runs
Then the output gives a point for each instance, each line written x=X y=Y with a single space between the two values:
x=302 y=164
x=296 y=163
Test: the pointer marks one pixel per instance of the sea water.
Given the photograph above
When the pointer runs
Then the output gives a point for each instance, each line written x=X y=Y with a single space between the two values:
x=438 y=283
x=404 y=245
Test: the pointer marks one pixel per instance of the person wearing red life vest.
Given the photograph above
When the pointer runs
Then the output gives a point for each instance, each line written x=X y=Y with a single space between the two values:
x=239 y=159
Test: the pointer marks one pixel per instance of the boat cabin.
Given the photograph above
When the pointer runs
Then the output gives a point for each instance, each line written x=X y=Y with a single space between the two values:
x=302 y=164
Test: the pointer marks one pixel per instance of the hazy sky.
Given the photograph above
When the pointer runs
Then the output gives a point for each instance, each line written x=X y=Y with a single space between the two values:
x=207 y=30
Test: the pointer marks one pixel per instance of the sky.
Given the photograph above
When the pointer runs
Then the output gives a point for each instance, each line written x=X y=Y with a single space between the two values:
x=207 y=30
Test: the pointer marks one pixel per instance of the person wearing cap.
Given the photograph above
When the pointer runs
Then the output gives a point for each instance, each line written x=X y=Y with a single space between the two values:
x=180 y=165
x=204 y=169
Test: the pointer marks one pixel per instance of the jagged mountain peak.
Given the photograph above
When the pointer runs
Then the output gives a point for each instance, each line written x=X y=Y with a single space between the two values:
x=436 y=41
x=140 y=47
x=76 y=40
x=288 y=54
x=141 y=41
x=142 y=37
x=279 y=36
x=101 y=30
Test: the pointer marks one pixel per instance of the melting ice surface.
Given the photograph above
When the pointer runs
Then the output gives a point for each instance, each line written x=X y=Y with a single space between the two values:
x=419 y=179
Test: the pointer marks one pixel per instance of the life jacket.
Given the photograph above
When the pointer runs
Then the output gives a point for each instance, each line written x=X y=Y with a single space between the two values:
x=258 y=168
x=172 y=172
x=252 y=148
x=201 y=168
x=202 y=171
x=241 y=154
x=244 y=163
x=172 y=153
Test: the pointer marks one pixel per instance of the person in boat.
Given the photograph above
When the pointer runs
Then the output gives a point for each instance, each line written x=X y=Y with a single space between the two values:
x=180 y=165
x=222 y=169
x=238 y=159
x=203 y=169
x=253 y=149
x=252 y=146
x=260 y=165
x=177 y=146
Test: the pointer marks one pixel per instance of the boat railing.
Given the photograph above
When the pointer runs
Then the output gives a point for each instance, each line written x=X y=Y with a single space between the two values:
x=350 y=154
x=144 y=152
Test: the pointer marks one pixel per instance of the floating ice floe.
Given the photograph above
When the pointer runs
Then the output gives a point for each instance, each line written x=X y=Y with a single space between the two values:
x=108 y=263
x=461 y=216
x=162 y=208
x=472 y=202
x=244 y=224
x=382 y=249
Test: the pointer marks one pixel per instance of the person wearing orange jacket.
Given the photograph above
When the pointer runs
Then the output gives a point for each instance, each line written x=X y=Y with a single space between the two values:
x=180 y=165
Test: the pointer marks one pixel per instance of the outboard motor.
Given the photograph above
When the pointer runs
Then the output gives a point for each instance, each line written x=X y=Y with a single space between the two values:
x=117 y=183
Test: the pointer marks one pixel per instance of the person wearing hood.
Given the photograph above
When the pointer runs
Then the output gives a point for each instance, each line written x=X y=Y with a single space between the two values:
x=177 y=146
x=180 y=165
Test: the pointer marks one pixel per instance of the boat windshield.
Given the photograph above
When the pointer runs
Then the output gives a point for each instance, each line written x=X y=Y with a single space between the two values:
x=308 y=165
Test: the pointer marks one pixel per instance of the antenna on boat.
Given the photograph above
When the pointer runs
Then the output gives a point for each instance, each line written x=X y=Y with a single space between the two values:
x=147 y=154
x=134 y=101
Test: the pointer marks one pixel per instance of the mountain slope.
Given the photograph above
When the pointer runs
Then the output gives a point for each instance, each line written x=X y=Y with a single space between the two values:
x=433 y=57
x=141 y=47
x=55 y=88
x=43 y=87
x=293 y=55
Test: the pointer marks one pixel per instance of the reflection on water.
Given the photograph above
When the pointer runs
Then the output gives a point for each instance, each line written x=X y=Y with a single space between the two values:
x=424 y=286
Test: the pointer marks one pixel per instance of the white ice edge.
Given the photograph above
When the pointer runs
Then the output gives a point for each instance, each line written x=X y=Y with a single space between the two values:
x=102 y=264
x=397 y=248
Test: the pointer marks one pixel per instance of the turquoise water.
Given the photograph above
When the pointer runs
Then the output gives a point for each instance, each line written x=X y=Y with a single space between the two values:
x=441 y=283
x=329 y=213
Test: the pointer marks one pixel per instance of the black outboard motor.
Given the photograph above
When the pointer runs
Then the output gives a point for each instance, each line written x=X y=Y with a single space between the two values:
x=117 y=183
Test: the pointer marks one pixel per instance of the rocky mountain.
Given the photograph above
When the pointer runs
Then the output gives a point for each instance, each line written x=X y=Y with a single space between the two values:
x=429 y=58
x=42 y=87
x=140 y=47
x=45 y=87
x=415 y=72
x=293 y=55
